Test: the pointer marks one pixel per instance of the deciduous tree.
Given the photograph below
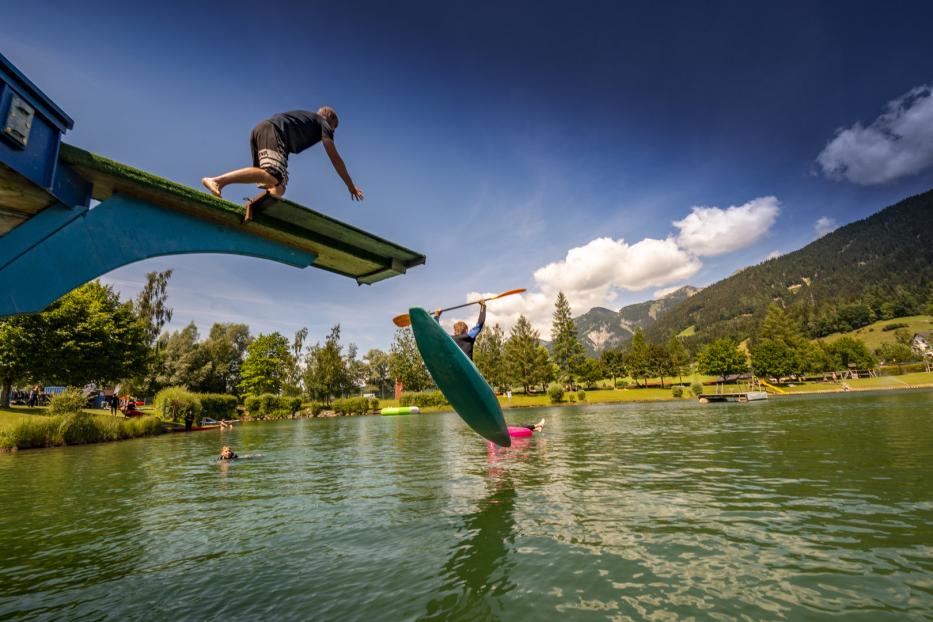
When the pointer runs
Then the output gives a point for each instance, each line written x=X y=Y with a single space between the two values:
x=265 y=366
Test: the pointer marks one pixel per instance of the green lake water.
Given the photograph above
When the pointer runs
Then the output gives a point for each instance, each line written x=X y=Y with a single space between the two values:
x=804 y=508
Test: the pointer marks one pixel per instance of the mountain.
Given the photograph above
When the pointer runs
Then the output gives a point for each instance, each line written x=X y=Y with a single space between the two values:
x=875 y=268
x=601 y=328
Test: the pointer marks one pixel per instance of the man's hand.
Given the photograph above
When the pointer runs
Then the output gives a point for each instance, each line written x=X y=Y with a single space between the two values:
x=437 y=312
x=356 y=194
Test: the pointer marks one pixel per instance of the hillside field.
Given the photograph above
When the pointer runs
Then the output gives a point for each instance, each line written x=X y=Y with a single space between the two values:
x=874 y=334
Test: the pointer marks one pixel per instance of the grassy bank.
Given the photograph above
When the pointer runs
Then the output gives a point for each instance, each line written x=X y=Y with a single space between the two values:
x=28 y=430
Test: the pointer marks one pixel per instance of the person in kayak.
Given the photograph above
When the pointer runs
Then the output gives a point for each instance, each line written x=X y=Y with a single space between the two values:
x=273 y=139
x=463 y=337
x=226 y=453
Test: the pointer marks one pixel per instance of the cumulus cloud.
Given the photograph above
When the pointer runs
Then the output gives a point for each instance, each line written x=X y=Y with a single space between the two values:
x=593 y=274
x=896 y=144
x=824 y=225
x=604 y=264
x=710 y=231
x=774 y=254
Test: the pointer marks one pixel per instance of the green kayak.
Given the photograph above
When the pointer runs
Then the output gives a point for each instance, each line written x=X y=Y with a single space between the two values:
x=400 y=410
x=458 y=379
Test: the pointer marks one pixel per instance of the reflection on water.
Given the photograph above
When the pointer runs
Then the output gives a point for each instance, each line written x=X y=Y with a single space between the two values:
x=809 y=508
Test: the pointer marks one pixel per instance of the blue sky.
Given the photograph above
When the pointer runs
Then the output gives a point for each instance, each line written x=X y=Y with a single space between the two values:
x=540 y=145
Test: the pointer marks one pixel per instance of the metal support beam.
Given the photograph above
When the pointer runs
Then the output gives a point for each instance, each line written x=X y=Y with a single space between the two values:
x=120 y=231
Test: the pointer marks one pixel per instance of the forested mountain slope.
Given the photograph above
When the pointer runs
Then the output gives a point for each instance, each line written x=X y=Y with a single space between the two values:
x=868 y=270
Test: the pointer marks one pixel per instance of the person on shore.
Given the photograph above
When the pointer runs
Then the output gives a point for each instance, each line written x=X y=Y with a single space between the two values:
x=114 y=404
x=189 y=421
x=226 y=453
x=463 y=337
x=272 y=140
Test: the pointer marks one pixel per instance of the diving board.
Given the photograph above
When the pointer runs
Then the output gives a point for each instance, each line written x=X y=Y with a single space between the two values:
x=339 y=247
x=52 y=240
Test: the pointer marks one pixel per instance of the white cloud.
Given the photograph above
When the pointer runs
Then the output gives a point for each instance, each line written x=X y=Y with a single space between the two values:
x=713 y=231
x=824 y=225
x=661 y=293
x=896 y=144
x=593 y=274
x=774 y=254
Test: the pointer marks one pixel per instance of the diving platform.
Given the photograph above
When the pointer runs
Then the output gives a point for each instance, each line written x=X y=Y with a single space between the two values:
x=54 y=237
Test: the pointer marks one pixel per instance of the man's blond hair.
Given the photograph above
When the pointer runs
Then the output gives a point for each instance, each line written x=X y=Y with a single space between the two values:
x=460 y=328
x=328 y=113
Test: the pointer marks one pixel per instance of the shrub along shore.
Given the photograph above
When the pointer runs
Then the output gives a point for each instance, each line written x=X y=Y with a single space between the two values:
x=66 y=424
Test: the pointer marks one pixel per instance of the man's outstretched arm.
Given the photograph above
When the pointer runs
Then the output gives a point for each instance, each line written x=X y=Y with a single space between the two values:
x=355 y=193
x=474 y=332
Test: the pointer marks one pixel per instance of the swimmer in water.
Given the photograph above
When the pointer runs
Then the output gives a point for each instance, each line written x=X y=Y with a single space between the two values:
x=227 y=454
x=537 y=427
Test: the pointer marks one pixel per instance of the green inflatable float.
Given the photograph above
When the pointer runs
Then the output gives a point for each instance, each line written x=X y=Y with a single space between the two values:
x=458 y=379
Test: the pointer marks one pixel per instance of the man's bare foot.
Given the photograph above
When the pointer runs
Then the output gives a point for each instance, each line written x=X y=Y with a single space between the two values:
x=211 y=185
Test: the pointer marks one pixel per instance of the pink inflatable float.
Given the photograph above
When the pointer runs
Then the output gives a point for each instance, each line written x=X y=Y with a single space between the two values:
x=516 y=432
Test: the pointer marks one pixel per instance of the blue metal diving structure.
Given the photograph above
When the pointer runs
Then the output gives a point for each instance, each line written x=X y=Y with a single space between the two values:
x=52 y=239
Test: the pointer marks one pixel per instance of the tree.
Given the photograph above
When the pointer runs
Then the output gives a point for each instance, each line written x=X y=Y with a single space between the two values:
x=18 y=341
x=326 y=373
x=590 y=372
x=636 y=359
x=294 y=372
x=779 y=349
x=151 y=306
x=377 y=368
x=680 y=356
x=848 y=351
x=182 y=360
x=266 y=364
x=544 y=370
x=773 y=358
x=405 y=362
x=88 y=335
x=566 y=348
x=896 y=353
x=721 y=358
x=489 y=356
x=613 y=362
x=225 y=348
x=659 y=362
x=522 y=364
x=356 y=370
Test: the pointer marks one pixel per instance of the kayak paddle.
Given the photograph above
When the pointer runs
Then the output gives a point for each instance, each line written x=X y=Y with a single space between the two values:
x=403 y=320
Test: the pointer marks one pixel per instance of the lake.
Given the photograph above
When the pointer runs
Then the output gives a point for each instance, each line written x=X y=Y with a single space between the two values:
x=798 y=508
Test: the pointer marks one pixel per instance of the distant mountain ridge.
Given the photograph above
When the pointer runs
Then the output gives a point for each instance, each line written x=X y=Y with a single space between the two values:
x=601 y=328
x=880 y=261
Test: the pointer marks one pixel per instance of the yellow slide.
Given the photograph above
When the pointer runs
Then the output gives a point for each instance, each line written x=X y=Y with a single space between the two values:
x=771 y=386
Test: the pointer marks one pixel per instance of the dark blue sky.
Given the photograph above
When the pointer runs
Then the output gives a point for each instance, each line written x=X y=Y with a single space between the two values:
x=496 y=137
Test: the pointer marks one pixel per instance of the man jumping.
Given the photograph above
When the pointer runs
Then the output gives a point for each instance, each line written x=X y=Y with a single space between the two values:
x=270 y=143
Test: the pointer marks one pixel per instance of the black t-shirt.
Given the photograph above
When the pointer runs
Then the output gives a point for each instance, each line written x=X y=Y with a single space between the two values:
x=301 y=129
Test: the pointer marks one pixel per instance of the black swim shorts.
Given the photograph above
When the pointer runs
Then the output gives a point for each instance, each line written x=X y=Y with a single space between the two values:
x=269 y=152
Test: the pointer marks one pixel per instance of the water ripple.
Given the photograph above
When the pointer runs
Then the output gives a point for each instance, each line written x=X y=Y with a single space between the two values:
x=807 y=508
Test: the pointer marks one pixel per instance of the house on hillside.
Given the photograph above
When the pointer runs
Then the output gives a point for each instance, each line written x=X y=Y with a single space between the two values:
x=922 y=343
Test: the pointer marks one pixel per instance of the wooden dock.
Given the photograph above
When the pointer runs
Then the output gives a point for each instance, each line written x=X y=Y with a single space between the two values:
x=744 y=396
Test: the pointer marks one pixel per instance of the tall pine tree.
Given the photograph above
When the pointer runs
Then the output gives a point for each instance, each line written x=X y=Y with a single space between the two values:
x=521 y=354
x=566 y=348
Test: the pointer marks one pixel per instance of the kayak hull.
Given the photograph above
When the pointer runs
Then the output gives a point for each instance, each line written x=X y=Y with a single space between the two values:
x=458 y=379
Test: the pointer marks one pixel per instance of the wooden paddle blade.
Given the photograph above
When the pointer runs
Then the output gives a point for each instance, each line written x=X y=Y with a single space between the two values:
x=402 y=320
x=509 y=293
